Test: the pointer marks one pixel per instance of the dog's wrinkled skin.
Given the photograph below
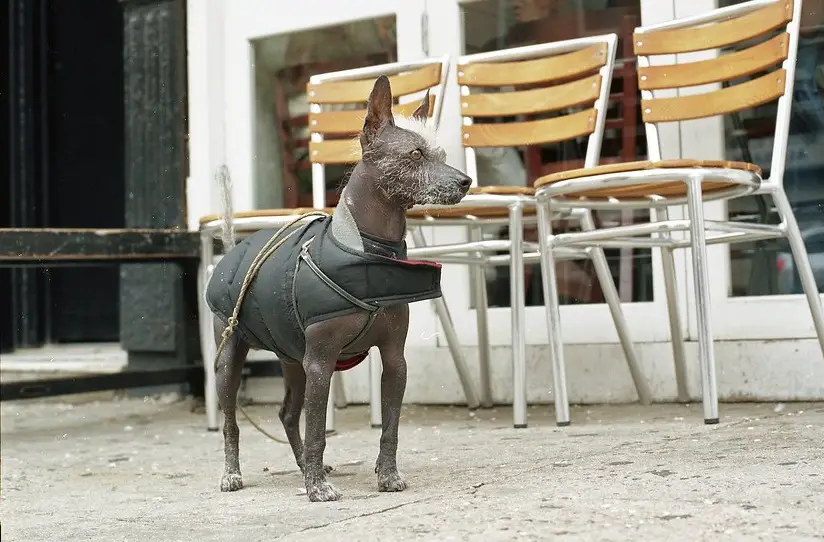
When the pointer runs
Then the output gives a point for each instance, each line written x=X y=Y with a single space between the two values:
x=401 y=166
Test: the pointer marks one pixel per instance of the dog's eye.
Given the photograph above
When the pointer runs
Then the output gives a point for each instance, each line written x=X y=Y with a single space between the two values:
x=416 y=154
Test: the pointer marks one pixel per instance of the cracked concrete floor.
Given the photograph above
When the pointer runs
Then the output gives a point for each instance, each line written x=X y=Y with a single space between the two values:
x=134 y=469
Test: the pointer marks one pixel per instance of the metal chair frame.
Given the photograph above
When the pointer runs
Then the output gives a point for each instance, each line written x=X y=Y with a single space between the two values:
x=474 y=253
x=554 y=196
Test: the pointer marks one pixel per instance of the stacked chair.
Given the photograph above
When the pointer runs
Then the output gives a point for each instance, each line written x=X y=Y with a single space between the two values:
x=570 y=80
x=561 y=90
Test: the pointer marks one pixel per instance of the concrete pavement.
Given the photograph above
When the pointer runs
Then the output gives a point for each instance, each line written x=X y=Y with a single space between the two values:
x=131 y=469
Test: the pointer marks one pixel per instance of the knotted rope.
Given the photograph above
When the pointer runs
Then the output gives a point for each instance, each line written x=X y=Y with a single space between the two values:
x=268 y=249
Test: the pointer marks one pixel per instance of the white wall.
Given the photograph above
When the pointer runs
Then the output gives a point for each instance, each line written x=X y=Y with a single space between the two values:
x=747 y=371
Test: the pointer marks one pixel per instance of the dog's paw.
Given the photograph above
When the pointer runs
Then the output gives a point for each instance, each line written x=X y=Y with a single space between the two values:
x=231 y=481
x=391 y=481
x=322 y=491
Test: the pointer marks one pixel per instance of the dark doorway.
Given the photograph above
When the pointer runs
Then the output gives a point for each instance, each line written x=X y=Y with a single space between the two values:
x=6 y=305
x=86 y=173
x=71 y=110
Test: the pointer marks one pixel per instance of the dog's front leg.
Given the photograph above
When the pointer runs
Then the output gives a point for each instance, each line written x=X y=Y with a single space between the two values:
x=393 y=386
x=319 y=365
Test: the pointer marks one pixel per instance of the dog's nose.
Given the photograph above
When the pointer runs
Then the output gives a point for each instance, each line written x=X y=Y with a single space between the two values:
x=465 y=182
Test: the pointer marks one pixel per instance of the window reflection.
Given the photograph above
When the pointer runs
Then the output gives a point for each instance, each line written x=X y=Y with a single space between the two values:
x=767 y=267
x=284 y=64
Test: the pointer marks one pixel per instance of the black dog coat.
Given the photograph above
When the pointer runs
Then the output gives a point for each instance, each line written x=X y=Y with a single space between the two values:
x=313 y=277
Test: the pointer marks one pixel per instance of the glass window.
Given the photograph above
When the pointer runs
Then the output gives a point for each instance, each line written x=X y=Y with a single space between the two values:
x=767 y=267
x=500 y=24
x=283 y=66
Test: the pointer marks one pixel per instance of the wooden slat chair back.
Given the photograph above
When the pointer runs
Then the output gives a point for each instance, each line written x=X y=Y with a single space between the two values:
x=622 y=125
x=569 y=88
x=761 y=36
x=292 y=124
x=334 y=133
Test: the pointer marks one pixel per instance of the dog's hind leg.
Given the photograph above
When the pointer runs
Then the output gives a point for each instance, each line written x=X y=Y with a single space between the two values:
x=228 y=374
x=294 y=381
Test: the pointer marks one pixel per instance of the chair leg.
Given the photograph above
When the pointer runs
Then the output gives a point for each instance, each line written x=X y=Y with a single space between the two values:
x=481 y=313
x=330 y=408
x=340 y=391
x=208 y=348
x=802 y=262
x=375 y=371
x=613 y=300
x=677 y=337
x=695 y=207
x=518 y=310
x=458 y=357
x=332 y=402
x=553 y=314
x=212 y=407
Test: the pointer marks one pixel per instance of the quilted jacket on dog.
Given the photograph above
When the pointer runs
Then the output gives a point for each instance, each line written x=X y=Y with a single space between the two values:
x=288 y=294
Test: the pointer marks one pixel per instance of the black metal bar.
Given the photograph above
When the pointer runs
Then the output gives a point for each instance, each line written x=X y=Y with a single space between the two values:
x=7 y=314
x=43 y=128
x=25 y=147
x=20 y=245
x=52 y=387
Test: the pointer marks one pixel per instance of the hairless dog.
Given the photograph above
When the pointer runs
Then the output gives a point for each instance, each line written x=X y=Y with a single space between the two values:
x=338 y=287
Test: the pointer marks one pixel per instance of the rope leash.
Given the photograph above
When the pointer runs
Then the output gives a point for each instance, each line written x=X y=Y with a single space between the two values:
x=268 y=249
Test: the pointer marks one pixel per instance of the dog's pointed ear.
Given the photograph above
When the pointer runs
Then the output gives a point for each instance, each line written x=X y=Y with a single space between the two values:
x=422 y=112
x=378 y=108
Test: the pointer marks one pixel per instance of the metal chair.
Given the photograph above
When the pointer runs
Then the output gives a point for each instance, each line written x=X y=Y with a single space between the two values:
x=657 y=184
x=348 y=89
x=562 y=75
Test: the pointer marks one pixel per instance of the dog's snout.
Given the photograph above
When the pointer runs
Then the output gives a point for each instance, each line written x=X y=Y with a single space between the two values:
x=449 y=187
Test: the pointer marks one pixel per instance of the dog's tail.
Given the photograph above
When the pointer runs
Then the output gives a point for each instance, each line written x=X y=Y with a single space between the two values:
x=228 y=231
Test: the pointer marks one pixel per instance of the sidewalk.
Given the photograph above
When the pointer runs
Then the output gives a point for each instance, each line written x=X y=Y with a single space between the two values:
x=135 y=470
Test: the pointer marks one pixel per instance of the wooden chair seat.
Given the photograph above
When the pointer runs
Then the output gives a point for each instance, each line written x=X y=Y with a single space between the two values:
x=492 y=211
x=503 y=190
x=480 y=211
x=264 y=213
x=643 y=190
x=498 y=211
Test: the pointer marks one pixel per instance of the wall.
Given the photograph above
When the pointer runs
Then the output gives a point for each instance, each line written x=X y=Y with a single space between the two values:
x=747 y=371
